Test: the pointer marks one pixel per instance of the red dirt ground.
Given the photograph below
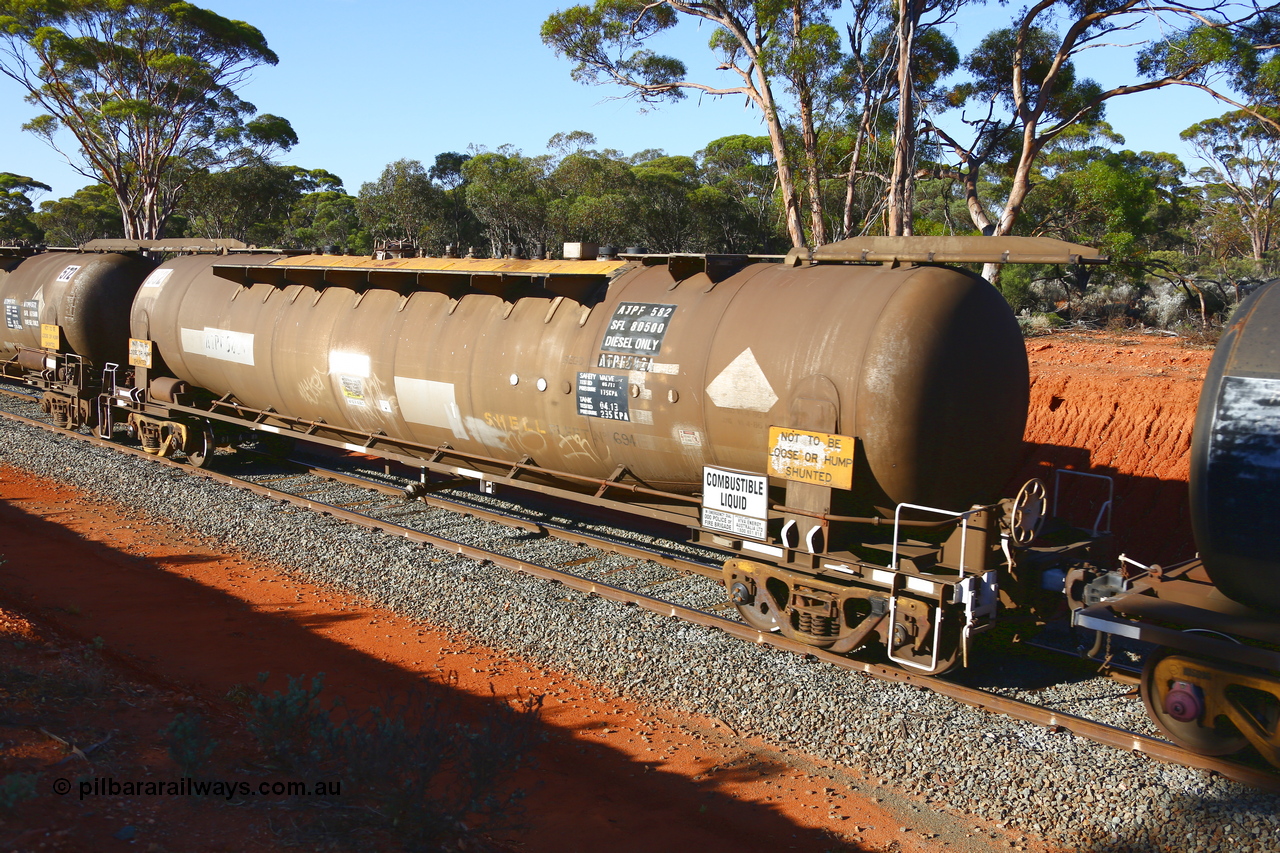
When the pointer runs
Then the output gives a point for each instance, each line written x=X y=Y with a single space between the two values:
x=181 y=624
x=1122 y=406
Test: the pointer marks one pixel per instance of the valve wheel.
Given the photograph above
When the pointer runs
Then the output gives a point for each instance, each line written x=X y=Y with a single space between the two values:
x=1026 y=516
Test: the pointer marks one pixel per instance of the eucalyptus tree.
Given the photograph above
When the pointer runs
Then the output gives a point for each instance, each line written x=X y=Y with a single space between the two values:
x=741 y=168
x=16 y=221
x=762 y=44
x=146 y=89
x=1241 y=177
x=403 y=204
x=90 y=213
x=1025 y=92
x=509 y=194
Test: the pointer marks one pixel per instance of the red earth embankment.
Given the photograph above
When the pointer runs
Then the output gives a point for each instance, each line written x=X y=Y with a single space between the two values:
x=1122 y=406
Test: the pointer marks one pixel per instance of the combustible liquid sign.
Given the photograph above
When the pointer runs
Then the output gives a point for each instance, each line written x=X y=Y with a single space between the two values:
x=811 y=457
x=735 y=502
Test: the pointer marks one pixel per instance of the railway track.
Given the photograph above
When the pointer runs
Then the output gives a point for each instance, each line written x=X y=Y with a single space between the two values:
x=1098 y=732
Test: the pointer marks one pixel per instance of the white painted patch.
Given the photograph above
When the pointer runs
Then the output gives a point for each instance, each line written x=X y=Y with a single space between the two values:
x=157 y=278
x=67 y=273
x=642 y=416
x=881 y=576
x=743 y=385
x=356 y=448
x=924 y=586
x=659 y=367
x=349 y=364
x=767 y=550
x=1246 y=430
x=385 y=405
x=424 y=401
x=467 y=472
x=221 y=344
x=486 y=434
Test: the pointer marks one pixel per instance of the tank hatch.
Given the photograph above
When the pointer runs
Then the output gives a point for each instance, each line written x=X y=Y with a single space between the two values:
x=497 y=276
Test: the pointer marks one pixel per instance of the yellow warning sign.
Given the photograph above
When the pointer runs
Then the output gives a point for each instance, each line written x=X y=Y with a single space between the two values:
x=811 y=457
x=50 y=336
x=139 y=353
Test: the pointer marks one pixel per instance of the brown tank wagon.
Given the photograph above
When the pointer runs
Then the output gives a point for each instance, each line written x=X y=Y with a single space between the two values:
x=87 y=295
x=66 y=317
x=835 y=422
x=800 y=414
x=664 y=375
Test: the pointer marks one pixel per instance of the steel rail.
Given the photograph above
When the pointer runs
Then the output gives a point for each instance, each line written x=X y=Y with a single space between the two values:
x=1102 y=733
x=572 y=536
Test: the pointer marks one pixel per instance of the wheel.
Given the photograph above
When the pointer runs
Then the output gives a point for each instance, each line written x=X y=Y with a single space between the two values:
x=944 y=638
x=754 y=609
x=1028 y=512
x=1178 y=707
x=200 y=454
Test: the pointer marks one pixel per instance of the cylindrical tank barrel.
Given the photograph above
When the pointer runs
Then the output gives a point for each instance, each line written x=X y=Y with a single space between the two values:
x=88 y=294
x=1235 y=456
x=924 y=366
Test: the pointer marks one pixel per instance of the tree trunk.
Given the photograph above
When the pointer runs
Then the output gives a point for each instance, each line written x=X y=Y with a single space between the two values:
x=786 y=178
x=901 y=183
x=809 y=139
x=864 y=130
x=1017 y=197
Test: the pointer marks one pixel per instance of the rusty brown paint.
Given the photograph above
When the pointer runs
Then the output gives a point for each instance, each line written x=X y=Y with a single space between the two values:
x=86 y=294
x=923 y=366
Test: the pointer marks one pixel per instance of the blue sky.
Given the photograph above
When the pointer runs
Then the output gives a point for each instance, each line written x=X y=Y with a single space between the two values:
x=366 y=82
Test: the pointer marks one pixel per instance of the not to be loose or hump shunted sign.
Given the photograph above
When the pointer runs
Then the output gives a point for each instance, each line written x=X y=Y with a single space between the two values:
x=735 y=502
x=811 y=457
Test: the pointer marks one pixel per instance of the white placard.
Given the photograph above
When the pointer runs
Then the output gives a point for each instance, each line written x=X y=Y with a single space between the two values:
x=222 y=344
x=735 y=502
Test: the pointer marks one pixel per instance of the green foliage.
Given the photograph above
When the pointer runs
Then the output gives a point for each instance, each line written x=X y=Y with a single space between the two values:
x=252 y=202
x=1240 y=183
x=190 y=746
x=16 y=221
x=607 y=41
x=326 y=218
x=402 y=204
x=415 y=769
x=509 y=195
x=147 y=88
x=17 y=788
x=290 y=725
x=91 y=213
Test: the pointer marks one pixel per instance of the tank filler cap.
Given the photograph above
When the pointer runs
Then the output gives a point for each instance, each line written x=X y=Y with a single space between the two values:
x=799 y=256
